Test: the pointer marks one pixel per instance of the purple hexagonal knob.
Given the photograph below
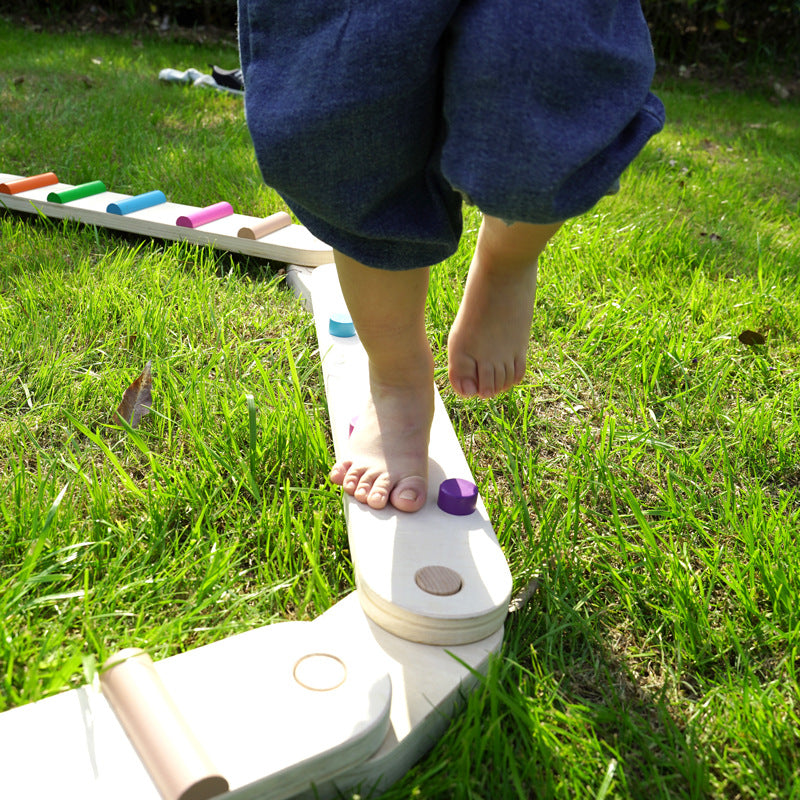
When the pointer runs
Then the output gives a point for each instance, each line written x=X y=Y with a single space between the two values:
x=457 y=496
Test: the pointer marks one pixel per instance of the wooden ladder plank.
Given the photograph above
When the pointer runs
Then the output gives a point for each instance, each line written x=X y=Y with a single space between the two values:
x=291 y=244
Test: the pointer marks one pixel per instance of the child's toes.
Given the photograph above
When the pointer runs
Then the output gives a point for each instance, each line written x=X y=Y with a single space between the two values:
x=378 y=495
x=353 y=479
x=463 y=376
x=338 y=472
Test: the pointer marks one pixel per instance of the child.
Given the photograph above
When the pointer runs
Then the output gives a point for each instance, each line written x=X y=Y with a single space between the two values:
x=376 y=119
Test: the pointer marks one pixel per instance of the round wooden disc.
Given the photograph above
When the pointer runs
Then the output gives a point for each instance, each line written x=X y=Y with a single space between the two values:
x=438 y=580
x=320 y=672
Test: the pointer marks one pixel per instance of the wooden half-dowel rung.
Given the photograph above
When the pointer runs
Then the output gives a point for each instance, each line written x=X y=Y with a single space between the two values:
x=205 y=215
x=340 y=324
x=77 y=192
x=137 y=203
x=270 y=224
x=176 y=761
x=26 y=184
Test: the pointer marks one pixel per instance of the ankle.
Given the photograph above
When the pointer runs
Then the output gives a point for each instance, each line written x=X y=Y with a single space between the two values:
x=504 y=248
x=412 y=371
x=498 y=271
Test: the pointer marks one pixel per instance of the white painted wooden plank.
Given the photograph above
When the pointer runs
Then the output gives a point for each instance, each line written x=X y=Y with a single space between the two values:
x=267 y=734
x=293 y=244
x=388 y=547
x=69 y=746
x=429 y=685
x=236 y=698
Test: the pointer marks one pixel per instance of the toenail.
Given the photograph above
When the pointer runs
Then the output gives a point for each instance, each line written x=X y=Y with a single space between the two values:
x=408 y=494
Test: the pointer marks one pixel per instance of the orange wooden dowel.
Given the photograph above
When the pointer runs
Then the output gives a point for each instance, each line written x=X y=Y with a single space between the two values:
x=25 y=184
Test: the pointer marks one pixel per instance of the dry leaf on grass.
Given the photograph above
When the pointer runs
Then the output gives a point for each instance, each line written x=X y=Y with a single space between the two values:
x=751 y=337
x=137 y=399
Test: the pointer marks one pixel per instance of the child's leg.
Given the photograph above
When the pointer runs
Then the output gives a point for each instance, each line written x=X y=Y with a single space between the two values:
x=388 y=451
x=488 y=342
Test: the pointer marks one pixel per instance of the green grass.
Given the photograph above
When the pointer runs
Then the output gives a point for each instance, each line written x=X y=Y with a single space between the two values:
x=647 y=469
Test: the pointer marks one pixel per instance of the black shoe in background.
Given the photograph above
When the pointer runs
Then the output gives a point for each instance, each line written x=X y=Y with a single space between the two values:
x=230 y=78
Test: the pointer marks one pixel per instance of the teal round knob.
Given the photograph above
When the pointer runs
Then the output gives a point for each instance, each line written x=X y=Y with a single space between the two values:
x=341 y=325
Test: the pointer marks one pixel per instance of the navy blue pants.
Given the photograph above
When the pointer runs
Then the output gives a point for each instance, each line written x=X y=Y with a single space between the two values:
x=376 y=119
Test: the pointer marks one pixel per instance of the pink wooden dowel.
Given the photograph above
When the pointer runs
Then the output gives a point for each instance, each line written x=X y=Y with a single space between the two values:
x=205 y=215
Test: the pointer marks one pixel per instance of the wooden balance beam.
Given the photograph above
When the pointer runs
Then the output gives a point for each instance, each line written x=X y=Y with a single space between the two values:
x=294 y=709
x=348 y=702
x=432 y=576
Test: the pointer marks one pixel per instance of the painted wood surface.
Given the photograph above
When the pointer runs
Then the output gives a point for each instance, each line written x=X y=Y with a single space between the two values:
x=267 y=734
x=388 y=547
x=429 y=685
x=270 y=736
x=291 y=244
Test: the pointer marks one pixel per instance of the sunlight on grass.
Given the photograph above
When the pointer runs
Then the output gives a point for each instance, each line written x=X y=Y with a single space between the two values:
x=646 y=470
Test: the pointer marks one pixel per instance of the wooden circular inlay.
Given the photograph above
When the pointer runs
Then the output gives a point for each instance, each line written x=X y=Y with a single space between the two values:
x=438 y=580
x=320 y=672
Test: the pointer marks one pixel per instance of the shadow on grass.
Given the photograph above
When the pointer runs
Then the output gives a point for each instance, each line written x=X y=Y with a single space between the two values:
x=582 y=674
x=60 y=242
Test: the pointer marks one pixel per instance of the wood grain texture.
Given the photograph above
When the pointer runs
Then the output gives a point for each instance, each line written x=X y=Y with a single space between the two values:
x=439 y=580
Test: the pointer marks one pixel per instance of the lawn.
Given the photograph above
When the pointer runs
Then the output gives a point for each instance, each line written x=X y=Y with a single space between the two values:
x=646 y=471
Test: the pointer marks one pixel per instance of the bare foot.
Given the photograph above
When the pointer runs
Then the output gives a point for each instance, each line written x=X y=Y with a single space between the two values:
x=387 y=459
x=488 y=343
